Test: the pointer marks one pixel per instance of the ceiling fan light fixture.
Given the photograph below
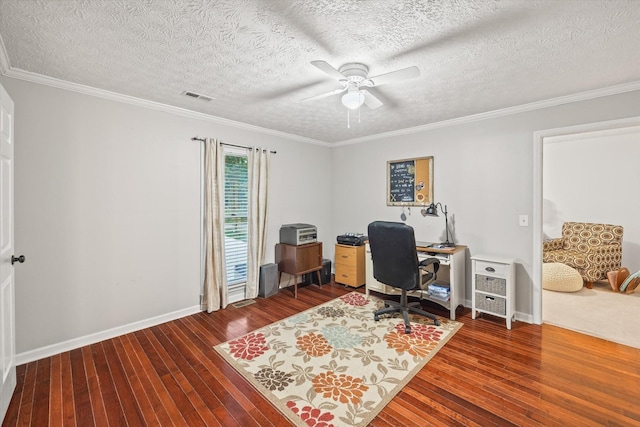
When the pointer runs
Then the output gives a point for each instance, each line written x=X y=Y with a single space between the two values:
x=353 y=99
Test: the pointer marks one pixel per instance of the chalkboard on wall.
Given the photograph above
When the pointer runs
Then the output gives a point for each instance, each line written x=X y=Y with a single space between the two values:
x=410 y=182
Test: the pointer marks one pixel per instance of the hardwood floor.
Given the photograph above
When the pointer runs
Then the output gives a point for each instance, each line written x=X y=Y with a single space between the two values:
x=484 y=376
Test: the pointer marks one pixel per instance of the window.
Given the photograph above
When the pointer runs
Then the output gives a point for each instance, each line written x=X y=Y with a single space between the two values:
x=236 y=210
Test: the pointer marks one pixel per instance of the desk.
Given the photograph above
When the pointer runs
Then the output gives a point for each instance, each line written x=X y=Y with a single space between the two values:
x=452 y=271
x=298 y=260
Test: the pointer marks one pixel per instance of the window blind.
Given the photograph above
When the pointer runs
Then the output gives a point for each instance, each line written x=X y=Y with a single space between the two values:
x=236 y=210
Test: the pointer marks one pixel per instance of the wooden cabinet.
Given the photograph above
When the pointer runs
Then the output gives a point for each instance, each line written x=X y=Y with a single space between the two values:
x=493 y=288
x=349 y=265
x=298 y=260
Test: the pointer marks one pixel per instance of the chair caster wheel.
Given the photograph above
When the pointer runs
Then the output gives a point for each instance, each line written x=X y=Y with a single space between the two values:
x=436 y=322
x=407 y=330
x=376 y=317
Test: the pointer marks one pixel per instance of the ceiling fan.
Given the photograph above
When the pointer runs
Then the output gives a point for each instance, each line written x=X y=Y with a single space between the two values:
x=354 y=80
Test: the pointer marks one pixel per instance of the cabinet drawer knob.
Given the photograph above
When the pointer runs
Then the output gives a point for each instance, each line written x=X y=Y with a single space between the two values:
x=491 y=269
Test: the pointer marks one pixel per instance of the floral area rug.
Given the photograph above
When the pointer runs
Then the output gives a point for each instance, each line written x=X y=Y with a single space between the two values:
x=333 y=365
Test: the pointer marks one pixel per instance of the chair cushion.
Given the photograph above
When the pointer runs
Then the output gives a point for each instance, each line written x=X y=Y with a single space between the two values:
x=564 y=256
x=560 y=277
x=580 y=236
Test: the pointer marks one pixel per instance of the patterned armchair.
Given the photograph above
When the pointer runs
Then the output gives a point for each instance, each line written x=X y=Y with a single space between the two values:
x=592 y=249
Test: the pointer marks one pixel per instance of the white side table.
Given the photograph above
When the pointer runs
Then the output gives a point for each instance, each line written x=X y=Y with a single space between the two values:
x=493 y=287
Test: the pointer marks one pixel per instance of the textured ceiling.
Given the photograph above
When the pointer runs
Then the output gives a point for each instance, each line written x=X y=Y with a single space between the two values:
x=254 y=56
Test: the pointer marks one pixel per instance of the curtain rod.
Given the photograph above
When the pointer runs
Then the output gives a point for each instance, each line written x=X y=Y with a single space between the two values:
x=195 y=138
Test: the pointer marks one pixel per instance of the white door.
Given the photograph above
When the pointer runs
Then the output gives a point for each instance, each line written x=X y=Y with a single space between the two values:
x=7 y=259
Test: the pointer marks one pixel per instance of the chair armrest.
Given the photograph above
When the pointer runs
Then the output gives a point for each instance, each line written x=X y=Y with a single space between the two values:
x=429 y=261
x=552 y=244
x=606 y=249
x=429 y=276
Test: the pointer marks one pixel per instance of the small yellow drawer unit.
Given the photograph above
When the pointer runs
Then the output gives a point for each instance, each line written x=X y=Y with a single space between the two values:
x=349 y=265
x=493 y=285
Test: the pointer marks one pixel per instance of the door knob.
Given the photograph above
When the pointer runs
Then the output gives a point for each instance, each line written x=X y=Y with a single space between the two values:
x=19 y=259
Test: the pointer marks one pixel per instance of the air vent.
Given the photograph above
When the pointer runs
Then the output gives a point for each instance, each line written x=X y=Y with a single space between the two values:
x=244 y=303
x=198 y=96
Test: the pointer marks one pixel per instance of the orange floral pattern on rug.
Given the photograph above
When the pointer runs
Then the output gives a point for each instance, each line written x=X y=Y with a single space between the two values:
x=313 y=344
x=333 y=365
x=422 y=340
x=342 y=388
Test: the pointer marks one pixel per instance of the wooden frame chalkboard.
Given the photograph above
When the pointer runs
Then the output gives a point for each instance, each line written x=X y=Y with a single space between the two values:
x=410 y=182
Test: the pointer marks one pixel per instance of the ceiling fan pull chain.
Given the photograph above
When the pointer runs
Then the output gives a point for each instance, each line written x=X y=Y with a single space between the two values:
x=348 y=120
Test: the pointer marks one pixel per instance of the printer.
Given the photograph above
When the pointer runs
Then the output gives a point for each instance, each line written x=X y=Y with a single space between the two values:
x=298 y=234
x=352 y=239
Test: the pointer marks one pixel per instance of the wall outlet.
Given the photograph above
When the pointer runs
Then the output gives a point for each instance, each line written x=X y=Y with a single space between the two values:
x=524 y=220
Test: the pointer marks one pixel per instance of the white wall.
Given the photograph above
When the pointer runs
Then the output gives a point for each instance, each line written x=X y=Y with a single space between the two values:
x=108 y=210
x=594 y=177
x=482 y=171
x=107 y=200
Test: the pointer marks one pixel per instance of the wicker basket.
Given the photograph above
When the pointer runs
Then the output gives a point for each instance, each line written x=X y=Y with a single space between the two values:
x=491 y=304
x=493 y=285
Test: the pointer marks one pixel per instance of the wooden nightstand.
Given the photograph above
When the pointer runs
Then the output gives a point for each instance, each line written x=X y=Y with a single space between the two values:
x=350 y=265
x=298 y=260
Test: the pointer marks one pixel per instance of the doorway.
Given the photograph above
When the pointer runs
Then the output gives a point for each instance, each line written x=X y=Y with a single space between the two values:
x=591 y=188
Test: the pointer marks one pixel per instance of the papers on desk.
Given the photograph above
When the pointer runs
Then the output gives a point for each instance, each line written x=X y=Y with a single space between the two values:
x=439 y=291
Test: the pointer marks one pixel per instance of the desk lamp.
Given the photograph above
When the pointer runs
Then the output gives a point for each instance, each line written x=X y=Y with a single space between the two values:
x=432 y=210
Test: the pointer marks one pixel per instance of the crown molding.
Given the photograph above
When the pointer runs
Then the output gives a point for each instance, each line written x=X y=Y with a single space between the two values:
x=538 y=105
x=118 y=97
x=6 y=70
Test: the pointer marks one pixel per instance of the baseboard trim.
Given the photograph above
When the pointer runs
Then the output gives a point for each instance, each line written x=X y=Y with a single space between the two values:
x=524 y=317
x=53 y=349
x=518 y=315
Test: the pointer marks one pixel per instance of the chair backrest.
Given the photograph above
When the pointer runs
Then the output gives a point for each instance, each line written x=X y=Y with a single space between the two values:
x=580 y=236
x=394 y=254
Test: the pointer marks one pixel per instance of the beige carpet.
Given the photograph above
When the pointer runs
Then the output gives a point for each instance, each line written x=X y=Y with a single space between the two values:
x=598 y=312
x=333 y=364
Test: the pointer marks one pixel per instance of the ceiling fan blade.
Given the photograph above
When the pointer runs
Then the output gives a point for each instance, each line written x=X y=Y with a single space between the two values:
x=502 y=21
x=395 y=76
x=286 y=91
x=324 y=95
x=299 y=21
x=371 y=101
x=328 y=69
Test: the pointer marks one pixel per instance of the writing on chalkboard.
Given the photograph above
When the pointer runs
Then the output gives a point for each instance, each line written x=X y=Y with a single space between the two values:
x=402 y=181
x=409 y=182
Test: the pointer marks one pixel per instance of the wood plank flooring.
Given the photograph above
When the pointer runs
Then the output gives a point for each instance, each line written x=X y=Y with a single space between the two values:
x=484 y=376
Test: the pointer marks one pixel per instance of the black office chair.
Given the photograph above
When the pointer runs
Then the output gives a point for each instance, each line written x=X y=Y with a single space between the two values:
x=395 y=263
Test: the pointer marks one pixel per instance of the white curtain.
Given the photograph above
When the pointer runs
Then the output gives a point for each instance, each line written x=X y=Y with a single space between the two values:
x=258 y=160
x=215 y=287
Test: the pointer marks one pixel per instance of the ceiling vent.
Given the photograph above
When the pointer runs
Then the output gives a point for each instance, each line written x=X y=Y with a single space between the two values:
x=198 y=96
